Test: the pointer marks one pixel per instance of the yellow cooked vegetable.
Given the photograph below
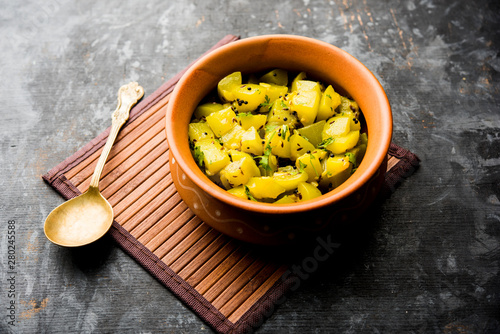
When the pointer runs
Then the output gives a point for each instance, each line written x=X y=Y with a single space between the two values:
x=289 y=177
x=336 y=170
x=248 y=120
x=248 y=97
x=278 y=139
x=222 y=121
x=305 y=101
x=199 y=131
x=299 y=145
x=251 y=142
x=207 y=109
x=273 y=92
x=307 y=191
x=270 y=140
x=237 y=155
x=330 y=100
x=264 y=187
x=276 y=76
x=238 y=172
x=313 y=132
x=343 y=143
x=239 y=191
x=226 y=85
x=281 y=114
x=212 y=155
x=311 y=164
x=232 y=138
x=300 y=76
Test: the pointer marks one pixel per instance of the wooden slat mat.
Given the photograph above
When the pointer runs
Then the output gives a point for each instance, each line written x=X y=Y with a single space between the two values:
x=229 y=284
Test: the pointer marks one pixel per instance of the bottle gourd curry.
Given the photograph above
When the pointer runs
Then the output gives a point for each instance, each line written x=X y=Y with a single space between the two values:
x=270 y=140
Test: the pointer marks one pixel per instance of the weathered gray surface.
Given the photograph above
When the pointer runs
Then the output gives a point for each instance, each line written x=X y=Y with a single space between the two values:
x=428 y=263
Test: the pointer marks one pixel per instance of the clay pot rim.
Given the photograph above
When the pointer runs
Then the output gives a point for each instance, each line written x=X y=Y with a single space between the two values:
x=365 y=172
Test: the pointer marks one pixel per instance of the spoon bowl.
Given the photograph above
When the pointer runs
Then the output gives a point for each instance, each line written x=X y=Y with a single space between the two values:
x=86 y=218
x=79 y=221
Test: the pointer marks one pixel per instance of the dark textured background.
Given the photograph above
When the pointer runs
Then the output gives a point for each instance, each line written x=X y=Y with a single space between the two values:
x=427 y=260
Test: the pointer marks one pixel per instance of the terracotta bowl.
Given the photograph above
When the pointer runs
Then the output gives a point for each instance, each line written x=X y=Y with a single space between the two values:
x=265 y=223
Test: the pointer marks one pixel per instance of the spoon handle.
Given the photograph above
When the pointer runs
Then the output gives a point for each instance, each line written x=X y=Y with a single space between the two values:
x=128 y=95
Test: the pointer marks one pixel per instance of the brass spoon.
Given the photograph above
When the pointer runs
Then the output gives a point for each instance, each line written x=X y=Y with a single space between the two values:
x=86 y=218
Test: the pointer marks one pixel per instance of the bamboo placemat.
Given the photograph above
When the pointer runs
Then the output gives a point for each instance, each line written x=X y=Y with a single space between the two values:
x=229 y=284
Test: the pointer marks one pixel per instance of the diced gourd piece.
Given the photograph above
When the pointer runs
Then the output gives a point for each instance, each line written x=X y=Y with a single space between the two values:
x=199 y=131
x=305 y=101
x=289 y=179
x=360 y=149
x=248 y=97
x=251 y=142
x=363 y=138
x=248 y=120
x=222 y=121
x=336 y=164
x=227 y=84
x=351 y=155
x=337 y=126
x=232 y=139
x=287 y=199
x=279 y=140
x=305 y=104
x=205 y=109
x=306 y=85
x=273 y=93
x=311 y=164
x=307 y=191
x=251 y=166
x=356 y=154
x=354 y=124
x=300 y=76
x=237 y=155
x=347 y=105
x=238 y=172
x=313 y=132
x=287 y=168
x=299 y=145
x=239 y=191
x=214 y=156
x=342 y=144
x=264 y=187
x=330 y=100
x=337 y=169
x=269 y=165
x=320 y=153
x=277 y=77
x=281 y=114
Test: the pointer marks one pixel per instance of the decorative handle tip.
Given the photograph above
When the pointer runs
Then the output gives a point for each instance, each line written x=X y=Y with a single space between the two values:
x=128 y=95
